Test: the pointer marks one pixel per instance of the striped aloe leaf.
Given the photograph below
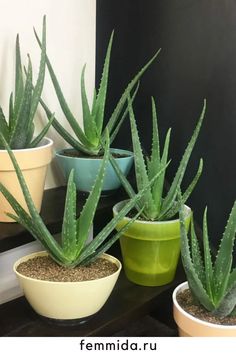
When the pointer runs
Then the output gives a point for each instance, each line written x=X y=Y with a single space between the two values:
x=212 y=283
x=19 y=130
x=72 y=250
x=156 y=205
x=91 y=137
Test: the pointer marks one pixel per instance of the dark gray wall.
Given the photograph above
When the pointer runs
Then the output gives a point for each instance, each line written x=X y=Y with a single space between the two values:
x=198 y=59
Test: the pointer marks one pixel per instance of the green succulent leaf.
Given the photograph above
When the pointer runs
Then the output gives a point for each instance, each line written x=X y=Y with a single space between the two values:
x=20 y=129
x=140 y=168
x=171 y=195
x=87 y=214
x=223 y=263
x=90 y=128
x=91 y=140
x=69 y=232
x=207 y=257
x=195 y=283
x=102 y=92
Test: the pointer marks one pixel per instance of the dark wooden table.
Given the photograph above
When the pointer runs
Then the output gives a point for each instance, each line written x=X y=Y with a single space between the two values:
x=127 y=303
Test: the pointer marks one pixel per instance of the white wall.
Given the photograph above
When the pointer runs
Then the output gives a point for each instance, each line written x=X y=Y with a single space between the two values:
x=70 y=44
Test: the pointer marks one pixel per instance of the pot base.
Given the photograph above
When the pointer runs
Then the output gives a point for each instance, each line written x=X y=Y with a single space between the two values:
x=66 y=323
x=145 y=279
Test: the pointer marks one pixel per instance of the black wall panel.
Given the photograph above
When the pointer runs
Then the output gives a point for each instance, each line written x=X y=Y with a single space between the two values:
x=197 y=60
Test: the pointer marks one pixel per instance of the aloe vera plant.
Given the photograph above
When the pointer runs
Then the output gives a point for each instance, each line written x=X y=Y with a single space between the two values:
x=19 y=129
x=72 y=250
x=212 y=282
x=90 y=139
x=154 y=205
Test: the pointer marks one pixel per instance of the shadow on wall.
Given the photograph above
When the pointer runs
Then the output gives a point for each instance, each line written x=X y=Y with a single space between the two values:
x=198 y=59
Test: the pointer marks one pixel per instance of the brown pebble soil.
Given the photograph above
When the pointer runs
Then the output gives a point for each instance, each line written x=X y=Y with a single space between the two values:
x=75 y=153
x=189 y=304
x=44 y=268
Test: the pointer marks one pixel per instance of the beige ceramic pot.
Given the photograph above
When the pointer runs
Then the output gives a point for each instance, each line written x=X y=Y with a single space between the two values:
x=33 y=163
x=67 y=300
x=189 y=326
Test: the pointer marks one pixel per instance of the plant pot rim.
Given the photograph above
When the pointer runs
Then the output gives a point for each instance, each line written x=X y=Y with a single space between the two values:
x=184 y=286
x=117 y=205
x=45 y=142
x=127 y=152
x=45 y=253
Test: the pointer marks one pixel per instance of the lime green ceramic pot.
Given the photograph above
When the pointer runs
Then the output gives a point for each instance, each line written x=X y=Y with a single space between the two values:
x=150 y=250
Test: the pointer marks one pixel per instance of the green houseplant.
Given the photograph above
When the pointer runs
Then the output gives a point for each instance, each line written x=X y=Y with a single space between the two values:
x=34 y=153
x=87 y=142
x=211 y=283
x=151 y=246
x=67 y=299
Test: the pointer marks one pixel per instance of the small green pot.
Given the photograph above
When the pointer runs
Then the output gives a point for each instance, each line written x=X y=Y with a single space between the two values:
x=86 y=170
x=150 y=249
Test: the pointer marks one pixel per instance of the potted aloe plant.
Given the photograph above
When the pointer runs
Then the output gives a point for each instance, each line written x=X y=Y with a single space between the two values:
x=87 y=143
x=60 y=283
x=33 y=153
x=151 y=246
x=205 y=305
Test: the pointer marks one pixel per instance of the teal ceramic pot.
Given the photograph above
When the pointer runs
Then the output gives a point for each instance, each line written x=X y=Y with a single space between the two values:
x=150 y=249
x=86 y=170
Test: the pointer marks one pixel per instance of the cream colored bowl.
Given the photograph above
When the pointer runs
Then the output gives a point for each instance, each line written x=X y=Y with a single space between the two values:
x=67 y=300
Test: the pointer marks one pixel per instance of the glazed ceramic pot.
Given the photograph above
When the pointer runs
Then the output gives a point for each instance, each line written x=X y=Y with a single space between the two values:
x=33 y=163
x=86 y=169
x=150 y=250
x=190 y=326
x=67 y=300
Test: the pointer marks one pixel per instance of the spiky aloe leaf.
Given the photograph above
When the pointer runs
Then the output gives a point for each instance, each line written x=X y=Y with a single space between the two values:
x=19 y=84
x=156 y=161
x=228 y=304
x=90 y=128
x=102 y=92
x=64 y=133
x=124 y=181
x=64 y=106
x=175 y=208
x=3 y=125
x=155 y=154
x=43 y=132
x=121 y=120
x=207 y=257
x=88 y=211
x=140 y=168
x=19 y=132
x=116 y=113
x=11 y=111
x=171 y=195
x=39 y=224
x=40 y=80
x=196 y=255
x=90 y=248
x=69 y=232
x=195 y=283
x=102 y=249
x=223 y=263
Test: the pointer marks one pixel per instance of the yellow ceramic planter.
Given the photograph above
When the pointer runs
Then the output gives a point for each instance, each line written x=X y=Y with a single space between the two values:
x=68 y=300
x=150 y=250
x=33 y=163
x=189 y=326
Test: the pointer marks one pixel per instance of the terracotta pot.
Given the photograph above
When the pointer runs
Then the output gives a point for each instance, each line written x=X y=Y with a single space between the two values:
x=33 y=163
x=189 y=326
x=67 y=300
x=150 y=249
